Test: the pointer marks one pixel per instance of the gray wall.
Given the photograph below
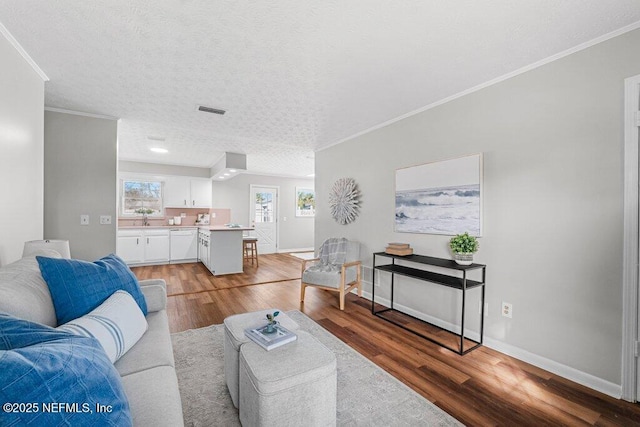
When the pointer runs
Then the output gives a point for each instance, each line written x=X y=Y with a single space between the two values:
x=295 y=232
x=80 y=178
x=156 y=168
x=21 y=153
x=552 y=140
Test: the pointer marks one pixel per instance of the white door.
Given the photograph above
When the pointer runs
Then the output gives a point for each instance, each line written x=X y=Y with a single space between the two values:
x=631 y=254
x=264 y=217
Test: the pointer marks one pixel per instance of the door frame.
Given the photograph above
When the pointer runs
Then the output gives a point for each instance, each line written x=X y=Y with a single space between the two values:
x=277 y=215
x=630 y=241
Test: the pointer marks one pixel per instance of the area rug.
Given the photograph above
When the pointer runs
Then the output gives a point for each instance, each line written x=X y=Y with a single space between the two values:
x=303 y=255
x=367 y=395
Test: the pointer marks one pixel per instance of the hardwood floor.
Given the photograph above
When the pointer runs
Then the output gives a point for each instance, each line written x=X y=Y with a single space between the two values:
x=482 y=388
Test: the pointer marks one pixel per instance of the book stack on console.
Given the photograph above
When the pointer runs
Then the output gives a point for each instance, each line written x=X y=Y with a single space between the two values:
x=401 y=249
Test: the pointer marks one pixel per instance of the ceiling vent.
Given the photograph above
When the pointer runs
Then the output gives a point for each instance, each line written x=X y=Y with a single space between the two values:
x=211 y=110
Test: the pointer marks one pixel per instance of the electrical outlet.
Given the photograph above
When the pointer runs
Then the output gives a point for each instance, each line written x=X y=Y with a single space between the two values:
x=507 y=309
x=105 y=219
x=213 y=215
x=84 y=219
x=183 y=215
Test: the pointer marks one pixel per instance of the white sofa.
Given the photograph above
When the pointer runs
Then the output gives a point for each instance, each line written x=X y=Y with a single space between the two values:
x=147 y=369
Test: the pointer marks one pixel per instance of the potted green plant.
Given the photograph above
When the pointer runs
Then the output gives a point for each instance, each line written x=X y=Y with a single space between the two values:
x=463 y=247
x=272 y=322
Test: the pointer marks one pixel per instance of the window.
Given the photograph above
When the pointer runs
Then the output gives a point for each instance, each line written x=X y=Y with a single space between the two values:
x=141 y=197
x=264 y=207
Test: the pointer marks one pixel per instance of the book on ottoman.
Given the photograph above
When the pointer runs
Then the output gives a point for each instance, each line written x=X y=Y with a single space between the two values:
x=272 y=340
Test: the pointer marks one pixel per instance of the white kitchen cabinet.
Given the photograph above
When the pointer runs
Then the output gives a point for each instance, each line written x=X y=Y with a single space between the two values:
x=177 y=192
x=203 y=248
x=157 y=246
x=140 y=246
x=131 y=246
x=184 y=192
x=201 y=193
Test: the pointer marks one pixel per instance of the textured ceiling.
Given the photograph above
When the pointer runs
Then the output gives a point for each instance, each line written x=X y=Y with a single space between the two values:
x=294 y=75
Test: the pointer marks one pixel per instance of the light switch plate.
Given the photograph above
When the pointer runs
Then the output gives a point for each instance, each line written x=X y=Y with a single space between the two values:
x=84 y=219
x=105 y=219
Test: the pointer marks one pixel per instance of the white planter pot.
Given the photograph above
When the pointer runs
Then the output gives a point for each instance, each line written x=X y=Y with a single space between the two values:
x=463 y=258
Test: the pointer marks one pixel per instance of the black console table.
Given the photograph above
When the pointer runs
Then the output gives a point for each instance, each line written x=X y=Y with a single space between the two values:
x=462 y=284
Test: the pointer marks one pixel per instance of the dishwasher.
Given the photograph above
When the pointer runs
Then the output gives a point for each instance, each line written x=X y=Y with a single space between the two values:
x=184 y=245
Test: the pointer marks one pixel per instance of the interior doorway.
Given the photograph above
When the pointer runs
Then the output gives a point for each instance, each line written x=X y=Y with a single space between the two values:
x=631 y=255
x=263 y=212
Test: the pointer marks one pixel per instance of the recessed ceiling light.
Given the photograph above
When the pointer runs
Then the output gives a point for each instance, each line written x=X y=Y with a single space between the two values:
x=311 y=175
x=226 y=174
x=232 y=170
x=159 y=150
x=221 y=177
x=156 y=138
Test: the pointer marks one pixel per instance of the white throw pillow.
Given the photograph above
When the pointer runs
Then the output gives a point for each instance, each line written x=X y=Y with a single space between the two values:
x=117 y=323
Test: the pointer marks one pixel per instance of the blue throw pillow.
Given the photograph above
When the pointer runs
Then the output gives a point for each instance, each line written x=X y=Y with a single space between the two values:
x=77 y=286
x=52 y=378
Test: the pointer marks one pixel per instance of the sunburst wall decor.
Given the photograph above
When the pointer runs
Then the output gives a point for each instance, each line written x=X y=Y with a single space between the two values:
x=343 y=200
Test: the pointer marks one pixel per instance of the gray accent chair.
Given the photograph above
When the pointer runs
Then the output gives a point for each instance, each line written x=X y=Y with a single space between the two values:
x=340 y=278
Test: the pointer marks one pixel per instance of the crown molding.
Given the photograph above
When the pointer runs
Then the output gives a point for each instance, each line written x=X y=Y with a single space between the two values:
x=492 y=82
x=80 y=113
x=21 y=51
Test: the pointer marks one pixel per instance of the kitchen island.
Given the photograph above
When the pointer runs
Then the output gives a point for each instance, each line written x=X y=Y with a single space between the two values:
x=220 y=248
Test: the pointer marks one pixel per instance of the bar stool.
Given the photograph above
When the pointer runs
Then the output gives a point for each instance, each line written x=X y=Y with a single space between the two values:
x=250 y=249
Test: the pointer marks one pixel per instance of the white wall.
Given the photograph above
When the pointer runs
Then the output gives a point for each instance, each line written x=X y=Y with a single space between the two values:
x=21 y=153
x=159 y=169
x=295 y=233
x=80 y=178
x=552 y=140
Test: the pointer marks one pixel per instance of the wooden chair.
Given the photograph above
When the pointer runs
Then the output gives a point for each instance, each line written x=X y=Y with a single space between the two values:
x=339 y=278
x=250 y=249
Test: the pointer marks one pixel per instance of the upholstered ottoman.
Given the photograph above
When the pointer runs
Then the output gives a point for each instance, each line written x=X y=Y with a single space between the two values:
x=292 y=385
x=234 y=337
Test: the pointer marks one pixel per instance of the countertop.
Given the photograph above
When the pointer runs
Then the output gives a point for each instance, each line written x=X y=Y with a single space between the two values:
x=177 y=227
x=224 y=228
x=151 y=227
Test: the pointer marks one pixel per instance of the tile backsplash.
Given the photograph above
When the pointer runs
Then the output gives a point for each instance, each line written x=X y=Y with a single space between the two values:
x=222 y=216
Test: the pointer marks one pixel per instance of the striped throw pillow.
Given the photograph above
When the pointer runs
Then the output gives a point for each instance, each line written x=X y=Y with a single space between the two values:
x=118 y=323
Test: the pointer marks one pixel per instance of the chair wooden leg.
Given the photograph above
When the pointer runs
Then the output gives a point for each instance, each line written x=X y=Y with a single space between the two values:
x=342 y=299
x=255 y=248
x=302 y=289
x=360 y=288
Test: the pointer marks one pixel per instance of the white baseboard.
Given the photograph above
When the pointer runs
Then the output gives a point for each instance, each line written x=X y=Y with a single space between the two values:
x=281 y=251
x=580 y=377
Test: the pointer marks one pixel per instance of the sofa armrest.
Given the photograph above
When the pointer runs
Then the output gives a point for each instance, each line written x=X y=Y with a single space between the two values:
x=149 y=282
x=155 y=294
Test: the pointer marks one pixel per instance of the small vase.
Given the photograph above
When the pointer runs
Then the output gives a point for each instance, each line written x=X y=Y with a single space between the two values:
x=463 y=258
x=270 y=328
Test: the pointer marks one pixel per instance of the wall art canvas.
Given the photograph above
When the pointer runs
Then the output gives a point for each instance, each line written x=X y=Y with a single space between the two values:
x=305 y=202
x=440 y=198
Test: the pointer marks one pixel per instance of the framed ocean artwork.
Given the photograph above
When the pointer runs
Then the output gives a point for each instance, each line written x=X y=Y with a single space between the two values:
x=440 y=198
